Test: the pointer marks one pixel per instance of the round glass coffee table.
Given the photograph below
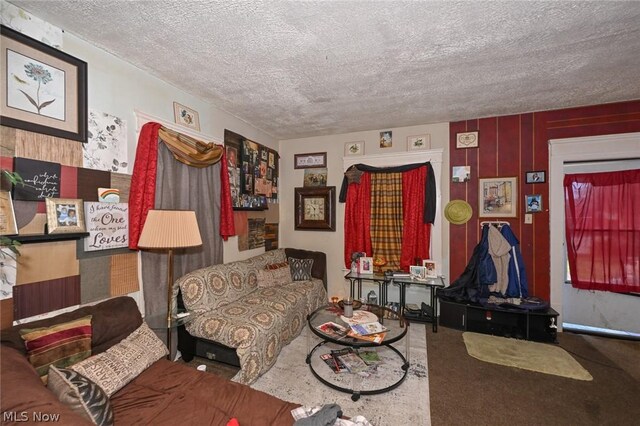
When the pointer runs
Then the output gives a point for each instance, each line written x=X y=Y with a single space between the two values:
x=354 y=365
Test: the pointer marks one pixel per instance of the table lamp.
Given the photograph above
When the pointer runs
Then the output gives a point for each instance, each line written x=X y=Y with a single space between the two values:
x=169 y=230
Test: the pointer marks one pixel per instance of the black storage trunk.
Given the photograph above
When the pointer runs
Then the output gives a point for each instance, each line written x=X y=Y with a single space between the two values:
x=539 y=326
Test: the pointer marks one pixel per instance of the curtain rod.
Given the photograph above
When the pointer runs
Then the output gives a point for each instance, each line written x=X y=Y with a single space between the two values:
x=497 y=223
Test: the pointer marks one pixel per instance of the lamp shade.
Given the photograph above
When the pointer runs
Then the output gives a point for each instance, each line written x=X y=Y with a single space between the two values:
x=170 y=229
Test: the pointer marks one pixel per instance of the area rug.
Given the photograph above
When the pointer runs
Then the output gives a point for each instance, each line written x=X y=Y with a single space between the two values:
x=408 y=404
x=533 y=356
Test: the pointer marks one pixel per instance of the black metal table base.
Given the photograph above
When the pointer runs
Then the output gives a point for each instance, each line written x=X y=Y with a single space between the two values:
x=355 y=394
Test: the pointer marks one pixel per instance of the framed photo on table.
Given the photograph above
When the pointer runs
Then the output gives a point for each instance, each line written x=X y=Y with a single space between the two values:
x=315 y=208
x=430 y=267
x=65 y=215
x=43 y=89
x=365 y=265
x=417 y=272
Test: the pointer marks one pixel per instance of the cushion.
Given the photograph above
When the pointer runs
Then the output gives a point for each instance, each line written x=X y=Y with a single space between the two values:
x=81 y=395
x=62 y=344
x=121 y=363
x=274 y=277
x=277 y=265
x=300 y=269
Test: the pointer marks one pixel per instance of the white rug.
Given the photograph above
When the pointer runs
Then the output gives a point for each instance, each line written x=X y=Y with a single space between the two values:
x=291 y=379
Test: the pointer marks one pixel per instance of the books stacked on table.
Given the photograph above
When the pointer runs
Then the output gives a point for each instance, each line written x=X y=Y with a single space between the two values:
x=371 y=332
x=398 y=274
x=333 y=330
x=351 y=361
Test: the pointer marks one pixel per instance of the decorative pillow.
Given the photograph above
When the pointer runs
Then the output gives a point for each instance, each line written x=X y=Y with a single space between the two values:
x=300 y=269
x=61 y=345
x=274 y=277
x=277 y=265
x=81 y=395
x=124 y=361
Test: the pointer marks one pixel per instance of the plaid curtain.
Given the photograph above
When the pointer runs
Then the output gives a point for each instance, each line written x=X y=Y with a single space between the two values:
x=387 y=218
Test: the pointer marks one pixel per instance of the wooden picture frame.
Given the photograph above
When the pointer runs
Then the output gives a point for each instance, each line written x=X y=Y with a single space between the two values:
x=498 y=197
x=43 y=89
x=536 y=176
x=315 y=208
x=418 y=142
x=8 y=224
x=533 y=203
x=186 y=116
x=467 y=140
x=60 y=219
x=312 y=160
x=353 y=148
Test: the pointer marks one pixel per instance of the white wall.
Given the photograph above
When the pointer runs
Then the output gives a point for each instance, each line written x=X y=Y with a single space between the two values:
x=332 y=243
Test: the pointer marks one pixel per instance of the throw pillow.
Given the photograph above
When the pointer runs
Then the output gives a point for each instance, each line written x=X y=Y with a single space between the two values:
x=300 y=269
x=61 y=345
x=81 y=395
x=270 y=278
x=124 y=361
x=277 y=265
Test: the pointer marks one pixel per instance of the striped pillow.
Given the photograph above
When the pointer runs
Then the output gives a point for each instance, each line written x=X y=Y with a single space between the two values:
x=61 y=345
x=81 y=395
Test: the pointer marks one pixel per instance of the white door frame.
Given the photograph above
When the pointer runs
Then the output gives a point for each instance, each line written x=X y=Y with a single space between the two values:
x=590 y=148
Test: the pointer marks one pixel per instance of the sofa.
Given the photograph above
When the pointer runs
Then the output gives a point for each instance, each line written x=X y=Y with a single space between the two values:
x=164 y=393
x=245 y=312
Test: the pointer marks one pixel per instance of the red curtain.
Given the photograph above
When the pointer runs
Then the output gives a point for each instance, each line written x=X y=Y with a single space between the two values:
x=416 y=235
x=602 y=212
x=357 y=218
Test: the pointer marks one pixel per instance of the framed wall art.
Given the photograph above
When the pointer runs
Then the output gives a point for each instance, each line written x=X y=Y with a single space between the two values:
x=533 y=203
x=467 y=140
x=64 y=215
x=498 y=197
x=43 y=90
x=386 y=139
x=354 y=148
x=7 y=215
x=310 y=161
x=186 y=116
x=536 y=176
x=315 y=208
x=418 y=142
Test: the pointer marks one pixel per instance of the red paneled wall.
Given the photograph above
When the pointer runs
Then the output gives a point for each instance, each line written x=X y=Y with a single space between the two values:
x=510 y=146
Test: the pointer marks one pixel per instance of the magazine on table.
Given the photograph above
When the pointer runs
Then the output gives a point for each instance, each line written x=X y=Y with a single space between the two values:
x=375 y=338
x=369 y=356
x=354 y=363
x=334 y=363
x=332 y=329
x=368 y=328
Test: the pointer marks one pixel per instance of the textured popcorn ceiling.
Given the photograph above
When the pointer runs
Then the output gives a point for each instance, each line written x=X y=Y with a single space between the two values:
x=296 y=69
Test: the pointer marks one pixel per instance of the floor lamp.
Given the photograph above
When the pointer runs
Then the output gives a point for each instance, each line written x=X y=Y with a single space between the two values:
x=169 y=230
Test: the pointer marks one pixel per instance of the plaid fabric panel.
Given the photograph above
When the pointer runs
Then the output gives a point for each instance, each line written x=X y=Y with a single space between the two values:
x=387 y=218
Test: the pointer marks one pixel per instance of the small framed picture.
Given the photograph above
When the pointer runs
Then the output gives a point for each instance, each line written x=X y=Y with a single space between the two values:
x=417 y=272
x=386 y=139
x=418 y=142
x=365 y=265
x=316 y=160
x=7 y=215
x=430 y=267
x=467 y=140
x=186 y=116
x=533 y=203
x=354 y=148
x=536 y=176
x=65 y=215
x=461 y=174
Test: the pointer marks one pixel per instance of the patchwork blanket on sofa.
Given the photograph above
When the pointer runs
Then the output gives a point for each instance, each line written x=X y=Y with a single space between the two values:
x=233 y=305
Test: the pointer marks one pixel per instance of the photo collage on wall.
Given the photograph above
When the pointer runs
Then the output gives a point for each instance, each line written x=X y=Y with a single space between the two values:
x=253 y=172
